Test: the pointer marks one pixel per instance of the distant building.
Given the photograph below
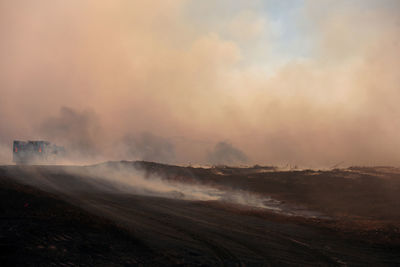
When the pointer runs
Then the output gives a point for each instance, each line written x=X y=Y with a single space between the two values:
x=36 y=152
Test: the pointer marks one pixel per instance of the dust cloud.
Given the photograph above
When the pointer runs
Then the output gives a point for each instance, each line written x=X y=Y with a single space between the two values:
x=308 y=83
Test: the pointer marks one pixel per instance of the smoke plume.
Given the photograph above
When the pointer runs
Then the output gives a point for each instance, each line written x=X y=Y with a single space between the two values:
x=149 y=147
x=225 y=153
x=79 y=131
x=311 y=83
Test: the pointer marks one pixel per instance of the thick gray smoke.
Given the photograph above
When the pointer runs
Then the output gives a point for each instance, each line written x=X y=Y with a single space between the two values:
x=226 y=153
x=312 y=83
x=149 y=147
x=83 y=136
x=79 y=131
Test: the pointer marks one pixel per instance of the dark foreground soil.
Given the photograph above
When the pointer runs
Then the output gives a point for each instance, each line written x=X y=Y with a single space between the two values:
x=50 y=215
x=39 y=229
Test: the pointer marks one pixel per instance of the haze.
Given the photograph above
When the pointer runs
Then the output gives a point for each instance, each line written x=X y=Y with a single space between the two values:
x=302 y=82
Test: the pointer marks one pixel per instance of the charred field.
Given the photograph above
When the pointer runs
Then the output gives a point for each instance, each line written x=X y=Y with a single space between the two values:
x=150 y=214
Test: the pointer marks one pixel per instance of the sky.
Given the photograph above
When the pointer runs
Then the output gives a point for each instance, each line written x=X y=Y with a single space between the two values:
x=295 y=82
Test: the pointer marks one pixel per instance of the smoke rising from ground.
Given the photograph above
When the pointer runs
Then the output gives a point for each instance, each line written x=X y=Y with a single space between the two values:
x=225 y=153
x=308 y=83
x=78 y=182
x=79 y=131
x=149 y=147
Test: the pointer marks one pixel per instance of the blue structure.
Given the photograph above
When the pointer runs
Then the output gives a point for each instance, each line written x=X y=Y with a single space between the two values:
x=36 y=152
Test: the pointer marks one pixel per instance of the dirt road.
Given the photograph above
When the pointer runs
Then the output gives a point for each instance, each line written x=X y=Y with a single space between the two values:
x=57 y=215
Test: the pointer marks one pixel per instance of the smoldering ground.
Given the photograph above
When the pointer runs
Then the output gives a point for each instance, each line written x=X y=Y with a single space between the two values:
x=75 y=183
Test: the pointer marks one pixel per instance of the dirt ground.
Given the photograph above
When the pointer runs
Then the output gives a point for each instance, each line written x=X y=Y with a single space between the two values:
x=67 y=216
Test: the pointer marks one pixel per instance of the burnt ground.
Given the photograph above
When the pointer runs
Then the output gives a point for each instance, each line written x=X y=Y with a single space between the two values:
x=51 y=215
